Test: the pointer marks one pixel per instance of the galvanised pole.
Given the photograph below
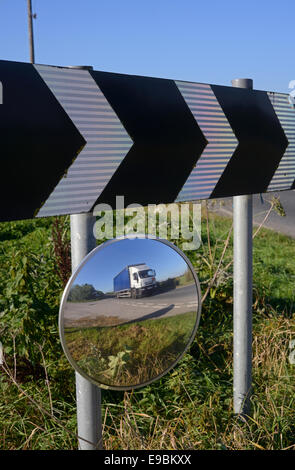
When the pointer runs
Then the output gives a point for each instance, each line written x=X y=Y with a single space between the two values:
x=88 y=395
x=242 y=343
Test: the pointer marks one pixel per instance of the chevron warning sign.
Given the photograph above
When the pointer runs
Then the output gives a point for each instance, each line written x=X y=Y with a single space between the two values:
x=73 y=138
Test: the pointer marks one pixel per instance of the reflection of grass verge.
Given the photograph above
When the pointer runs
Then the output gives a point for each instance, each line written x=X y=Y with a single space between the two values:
x=89 y=322
x=131 y=353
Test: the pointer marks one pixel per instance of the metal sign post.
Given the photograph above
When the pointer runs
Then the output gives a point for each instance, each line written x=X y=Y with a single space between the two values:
x=242 y=347
x=88 y=396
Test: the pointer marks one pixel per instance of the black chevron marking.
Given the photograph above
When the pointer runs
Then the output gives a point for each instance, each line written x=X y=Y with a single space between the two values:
x=262 y=141
x=38 y=141
x=40 y=138
x=167 y=139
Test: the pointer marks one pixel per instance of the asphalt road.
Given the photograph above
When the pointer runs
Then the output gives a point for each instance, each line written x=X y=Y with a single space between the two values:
x=261 y=205
x=113 y=311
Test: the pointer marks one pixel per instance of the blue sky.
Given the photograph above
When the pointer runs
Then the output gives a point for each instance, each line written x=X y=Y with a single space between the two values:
x=209 y=42
x=109 y=261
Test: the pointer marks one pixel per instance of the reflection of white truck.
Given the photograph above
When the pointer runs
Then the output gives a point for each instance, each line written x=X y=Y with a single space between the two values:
x=134 y=281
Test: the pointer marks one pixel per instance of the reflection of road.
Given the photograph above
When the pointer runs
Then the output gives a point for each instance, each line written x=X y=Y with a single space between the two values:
x=181 y=294
x=173 y=302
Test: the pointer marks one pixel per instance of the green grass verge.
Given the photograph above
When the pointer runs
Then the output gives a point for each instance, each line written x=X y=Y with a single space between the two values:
x=189 y=408
x=130 y=354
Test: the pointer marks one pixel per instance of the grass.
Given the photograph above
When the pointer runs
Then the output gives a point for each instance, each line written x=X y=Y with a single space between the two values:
x=189 y=408
x=130 y=353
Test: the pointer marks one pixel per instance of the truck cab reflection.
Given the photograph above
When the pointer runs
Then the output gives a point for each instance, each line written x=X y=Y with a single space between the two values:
x=135 y=280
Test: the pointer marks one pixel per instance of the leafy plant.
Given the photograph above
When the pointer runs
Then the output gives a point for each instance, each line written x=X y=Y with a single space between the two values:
x=62 y=248
x=29 y=297
x=115 y=363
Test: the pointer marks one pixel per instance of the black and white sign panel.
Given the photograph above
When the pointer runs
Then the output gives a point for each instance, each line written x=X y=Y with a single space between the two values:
x=73 y=138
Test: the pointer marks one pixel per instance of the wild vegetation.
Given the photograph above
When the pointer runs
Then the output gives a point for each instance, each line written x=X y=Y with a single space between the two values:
x=191 y=406
x=131 y=353
x=84 y=292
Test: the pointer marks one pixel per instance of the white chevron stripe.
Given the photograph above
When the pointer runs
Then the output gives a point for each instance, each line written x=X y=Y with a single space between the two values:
x=107 y=141
x=219 y=134
x=285 y=173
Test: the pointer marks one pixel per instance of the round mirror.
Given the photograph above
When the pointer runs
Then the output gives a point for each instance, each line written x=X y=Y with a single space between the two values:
x=129 y=312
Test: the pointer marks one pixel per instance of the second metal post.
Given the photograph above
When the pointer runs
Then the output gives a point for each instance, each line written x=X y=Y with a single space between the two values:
x=242 y=347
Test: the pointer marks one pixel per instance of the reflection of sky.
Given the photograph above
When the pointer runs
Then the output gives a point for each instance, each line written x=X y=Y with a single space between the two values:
x=109 y=261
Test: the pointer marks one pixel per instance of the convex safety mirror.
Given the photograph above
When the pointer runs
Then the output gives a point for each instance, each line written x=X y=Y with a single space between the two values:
x=129 y=312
